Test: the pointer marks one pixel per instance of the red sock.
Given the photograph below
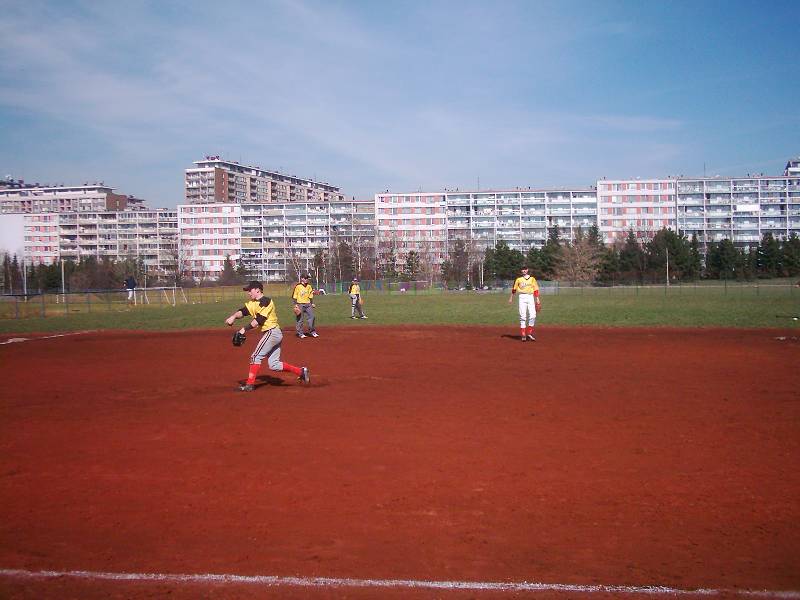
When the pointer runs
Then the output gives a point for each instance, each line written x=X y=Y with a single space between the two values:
x=530 y=329
x=291 y=368
x=251 y=376
x=522 y=331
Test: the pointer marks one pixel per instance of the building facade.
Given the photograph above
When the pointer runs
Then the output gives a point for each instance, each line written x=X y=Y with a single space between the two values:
x=740 y=209
x=430 y=223
x=148 y=235
x=21 y=197
x=273 y=241
x=218 y=181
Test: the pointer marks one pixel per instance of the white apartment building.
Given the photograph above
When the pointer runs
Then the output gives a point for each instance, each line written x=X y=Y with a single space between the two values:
x=218 y=181
x=273 y=240
x=21 y=197
x=740 y=209
x=430 y=222
x=149 y=235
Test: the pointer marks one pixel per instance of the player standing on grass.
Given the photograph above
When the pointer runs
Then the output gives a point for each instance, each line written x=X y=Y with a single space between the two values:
x=527 y=290
x=303 y=298
x=262 y=311
x=355 y=300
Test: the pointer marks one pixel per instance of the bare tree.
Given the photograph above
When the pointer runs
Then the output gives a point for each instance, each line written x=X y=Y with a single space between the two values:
x=579 y=260
x=294 y=265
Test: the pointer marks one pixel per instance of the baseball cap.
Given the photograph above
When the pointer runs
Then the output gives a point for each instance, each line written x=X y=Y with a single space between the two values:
x=253 y=285
x=355 y=278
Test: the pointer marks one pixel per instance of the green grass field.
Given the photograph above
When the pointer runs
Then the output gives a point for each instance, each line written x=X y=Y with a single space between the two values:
x=688 y=306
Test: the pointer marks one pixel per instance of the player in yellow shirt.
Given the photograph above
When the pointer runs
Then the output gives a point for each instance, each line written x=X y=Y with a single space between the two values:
x=261 y=309
x=303 y=298
x=355 y=300
x=527 y=290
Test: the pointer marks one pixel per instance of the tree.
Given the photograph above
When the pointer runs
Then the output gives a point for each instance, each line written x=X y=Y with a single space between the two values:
x=503 y=262
x=455 y=268
x=631 y=258
x=790 y=251
x=319 y=264
x=535 y=261
x=551 y=253
x=695 y=258
x=723 y=260
x=412 y=266
x=768 y=259
x=608 y=267
x=229 y=275
x=667 y=247
x=578 y=261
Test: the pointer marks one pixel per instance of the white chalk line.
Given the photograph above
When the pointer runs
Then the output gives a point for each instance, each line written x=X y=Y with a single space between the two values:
x=44 y=337
x=337 y=582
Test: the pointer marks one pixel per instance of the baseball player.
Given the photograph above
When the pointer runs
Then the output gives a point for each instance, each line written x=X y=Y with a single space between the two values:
x=130 y=285
x=303 y=298
x=527 y=291
x=355 y=300
x=261 y=309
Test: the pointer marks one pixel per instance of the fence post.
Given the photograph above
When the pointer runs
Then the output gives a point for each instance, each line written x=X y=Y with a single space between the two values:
x=44 y=310
x=16 y=307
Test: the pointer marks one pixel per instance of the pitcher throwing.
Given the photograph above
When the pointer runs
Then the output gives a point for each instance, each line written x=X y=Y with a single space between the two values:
x=262 y=311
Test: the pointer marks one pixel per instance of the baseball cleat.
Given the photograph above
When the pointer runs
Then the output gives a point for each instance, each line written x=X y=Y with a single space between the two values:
x=531 y=337
x=314 y=334
x=353 y=317
x=364 y=317
x=524 y=338
x=301 y=335
x=247 y=387
x=305 y=376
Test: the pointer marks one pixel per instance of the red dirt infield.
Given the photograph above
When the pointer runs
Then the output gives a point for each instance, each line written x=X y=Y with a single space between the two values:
x=632 y=457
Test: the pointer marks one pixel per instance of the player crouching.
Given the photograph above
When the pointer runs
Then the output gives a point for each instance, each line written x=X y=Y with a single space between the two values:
x=262 y=310
x=527 y=290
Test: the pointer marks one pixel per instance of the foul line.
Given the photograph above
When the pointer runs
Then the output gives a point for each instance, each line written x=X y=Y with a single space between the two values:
x=44 y=337
x=336 y=582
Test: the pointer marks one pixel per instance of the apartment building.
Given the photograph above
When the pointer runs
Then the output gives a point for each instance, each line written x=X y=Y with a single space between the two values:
x=273 y=241
x=217 y=181
x=430 y=223
x=149 y=235
x=740 y=209
x=16 y=196
x=645 y=206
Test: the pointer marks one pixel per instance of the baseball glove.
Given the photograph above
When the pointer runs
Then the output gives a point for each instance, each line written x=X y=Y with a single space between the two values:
x=238 y=338
x=296 y=310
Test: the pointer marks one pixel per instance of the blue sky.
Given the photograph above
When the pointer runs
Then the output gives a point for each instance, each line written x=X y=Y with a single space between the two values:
x=399 y=95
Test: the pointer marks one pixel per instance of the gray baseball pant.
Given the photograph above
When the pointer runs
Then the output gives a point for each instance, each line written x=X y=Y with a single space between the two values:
x=308 y=311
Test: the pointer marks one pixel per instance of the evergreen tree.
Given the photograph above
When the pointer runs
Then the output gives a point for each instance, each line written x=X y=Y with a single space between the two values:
x=551 y=253
x=723 y=260
x=631 y=258
x=15 y=276
x=790 y=252
x=769 y=257
x=459 y=260
x=412 y=267
x=695 y=258
x=229 y=276
x=668 y=247
x=535 y=262
x=608 y=270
